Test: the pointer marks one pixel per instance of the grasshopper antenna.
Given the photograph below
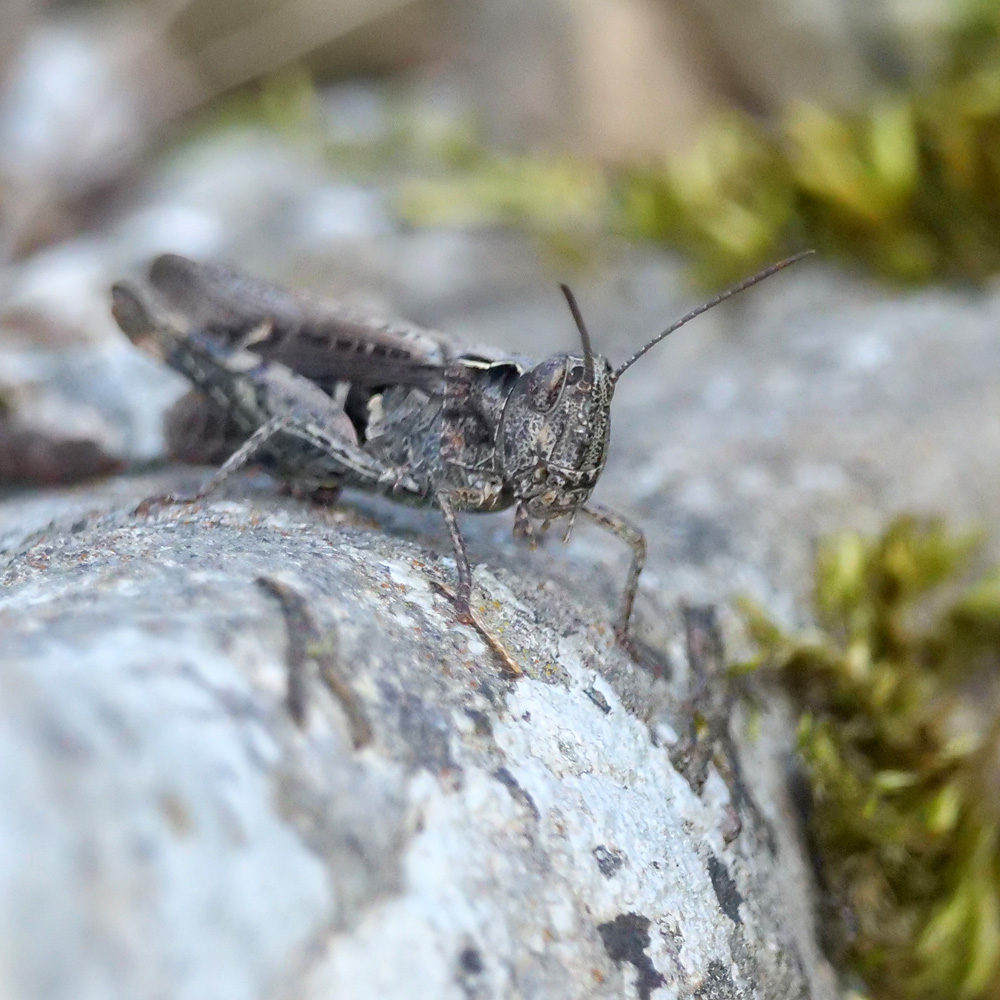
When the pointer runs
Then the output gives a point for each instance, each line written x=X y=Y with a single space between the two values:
x=588 y=351
x=705 y=306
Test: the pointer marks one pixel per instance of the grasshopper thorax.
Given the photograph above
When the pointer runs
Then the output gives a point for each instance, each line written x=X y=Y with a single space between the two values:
x=552 y=440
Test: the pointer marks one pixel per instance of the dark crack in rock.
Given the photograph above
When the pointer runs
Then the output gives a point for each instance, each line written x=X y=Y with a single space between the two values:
x=626 y=939
x=725 y=889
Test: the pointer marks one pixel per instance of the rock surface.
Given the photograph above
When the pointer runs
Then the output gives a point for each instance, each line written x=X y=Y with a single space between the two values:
x=169 y=826
x=172 y=829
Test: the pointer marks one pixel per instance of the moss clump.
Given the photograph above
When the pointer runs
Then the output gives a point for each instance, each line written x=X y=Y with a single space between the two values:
x=899 y=739
x=908 y=185
x=547 y=196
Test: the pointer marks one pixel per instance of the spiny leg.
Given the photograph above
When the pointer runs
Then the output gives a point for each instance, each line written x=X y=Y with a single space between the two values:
x=244 y=454
x=636 y=541
x=462 y=599
x=306 y=642
x=236 y=461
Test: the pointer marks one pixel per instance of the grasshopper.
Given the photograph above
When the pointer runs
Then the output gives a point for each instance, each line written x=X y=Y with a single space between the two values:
x=327 y=398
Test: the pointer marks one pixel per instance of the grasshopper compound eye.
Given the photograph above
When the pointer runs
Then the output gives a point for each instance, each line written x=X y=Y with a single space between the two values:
x=544 y=384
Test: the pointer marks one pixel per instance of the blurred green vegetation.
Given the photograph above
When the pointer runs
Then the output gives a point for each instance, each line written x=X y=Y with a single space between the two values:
x=899 y=740
x=909 y=186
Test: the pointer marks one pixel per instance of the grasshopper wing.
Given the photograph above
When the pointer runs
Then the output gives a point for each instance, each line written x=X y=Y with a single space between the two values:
x=321 y=340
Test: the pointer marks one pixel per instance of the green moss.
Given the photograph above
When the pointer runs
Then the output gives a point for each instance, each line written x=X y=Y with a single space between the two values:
x=549 y=196
x=908 y=186
x=899 y=738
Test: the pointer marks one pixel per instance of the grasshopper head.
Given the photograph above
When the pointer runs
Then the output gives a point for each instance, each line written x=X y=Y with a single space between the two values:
x=553 y=437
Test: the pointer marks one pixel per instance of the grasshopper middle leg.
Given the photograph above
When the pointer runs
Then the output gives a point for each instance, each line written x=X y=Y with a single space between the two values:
x=636 y=541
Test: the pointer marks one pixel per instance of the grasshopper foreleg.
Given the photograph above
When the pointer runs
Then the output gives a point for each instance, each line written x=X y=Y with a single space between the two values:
x=462 y=599
x=463 y=596
x=636 y=541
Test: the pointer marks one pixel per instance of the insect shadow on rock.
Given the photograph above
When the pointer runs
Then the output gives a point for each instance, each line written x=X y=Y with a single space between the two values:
x=326 y=398
x=309 y=645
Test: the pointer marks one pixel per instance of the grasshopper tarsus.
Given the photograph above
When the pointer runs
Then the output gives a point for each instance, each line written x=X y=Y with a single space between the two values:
x=462 y=599
x=328 y=398
x=465 y=615
x=509 y=666
x=145 y=507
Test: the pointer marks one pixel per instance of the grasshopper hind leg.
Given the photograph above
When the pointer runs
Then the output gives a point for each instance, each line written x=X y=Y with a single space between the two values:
x=243 y=454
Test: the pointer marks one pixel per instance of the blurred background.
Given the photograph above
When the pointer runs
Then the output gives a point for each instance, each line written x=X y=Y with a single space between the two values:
x=734 y=132
x=449 y=161
x=731 y=129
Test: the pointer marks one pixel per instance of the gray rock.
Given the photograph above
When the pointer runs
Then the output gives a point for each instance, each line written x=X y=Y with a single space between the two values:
x=167 y=830
x=164 y=819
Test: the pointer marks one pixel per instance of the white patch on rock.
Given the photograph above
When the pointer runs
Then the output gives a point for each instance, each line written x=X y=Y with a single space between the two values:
x=578 y=780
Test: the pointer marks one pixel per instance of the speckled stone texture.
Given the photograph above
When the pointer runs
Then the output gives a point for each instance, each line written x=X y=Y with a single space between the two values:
x=168 y=831
x=166 y=823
